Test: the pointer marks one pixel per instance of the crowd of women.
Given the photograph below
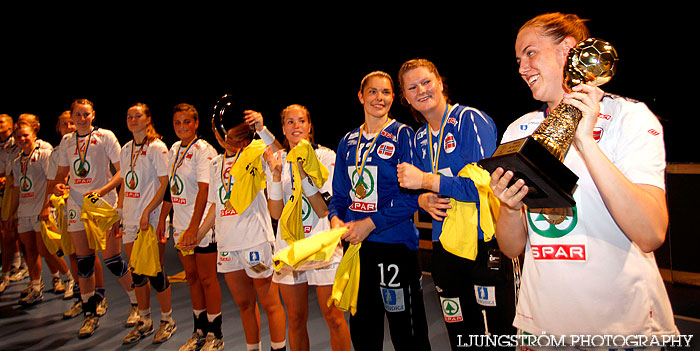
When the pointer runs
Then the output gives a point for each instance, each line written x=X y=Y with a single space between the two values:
x=379 y=175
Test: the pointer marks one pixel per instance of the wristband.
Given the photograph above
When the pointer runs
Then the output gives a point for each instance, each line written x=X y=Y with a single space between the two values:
x=308 y=186
x=275 y=191
x=267 y=137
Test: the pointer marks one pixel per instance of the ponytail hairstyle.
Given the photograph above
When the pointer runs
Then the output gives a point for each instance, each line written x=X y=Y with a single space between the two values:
x=558 y=26
x=151 y=133
x=430 y=66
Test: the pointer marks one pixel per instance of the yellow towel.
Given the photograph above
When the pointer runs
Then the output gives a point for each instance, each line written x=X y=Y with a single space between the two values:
x=347 y=281
x=50 y=235
x=59 y=204
x=309 y=253
x=145 y=255
x=97 y=216
x=459 y=229
x=291 y=227
x=248 y=176
x=184 y=252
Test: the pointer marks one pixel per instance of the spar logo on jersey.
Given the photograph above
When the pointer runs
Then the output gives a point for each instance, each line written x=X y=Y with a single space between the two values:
x=72 y=216
x=131 y=179
x=363 y=192
x=550 y=224
x=450 y=143
x=386 y=150
x=176 y=186
x=224 y=256
x=25 y=185
x=451 y=309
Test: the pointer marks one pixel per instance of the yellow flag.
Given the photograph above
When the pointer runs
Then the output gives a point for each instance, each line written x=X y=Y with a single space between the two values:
x=145 y=255
x=291 y=227
x=97 y=216
x=309 y=253
x=459 y=229
x=248 y=176
x=347 y=281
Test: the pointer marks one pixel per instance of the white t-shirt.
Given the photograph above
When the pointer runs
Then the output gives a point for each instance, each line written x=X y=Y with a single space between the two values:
x=103 y=148
x=141 y=182
x=583 y=275
x=29 y=174
x=237 y=231
x=311 y=223
x=194 y=169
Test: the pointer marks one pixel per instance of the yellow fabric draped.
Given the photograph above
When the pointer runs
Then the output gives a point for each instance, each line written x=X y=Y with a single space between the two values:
x=459 y=229
x=291 y=227
x=98 y=216
x=184 y=252
x=54 y=230
x=145 y=255
x=248 y=176
x=50 y=235
x=347 y=281
x=59 y=204
x=309 y=253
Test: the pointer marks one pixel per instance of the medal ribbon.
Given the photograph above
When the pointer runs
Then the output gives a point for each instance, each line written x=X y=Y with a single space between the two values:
x=223 y=176
x=24 y=165
x=434 y=159
x=134 y=159
x=176 y=163
x=83 y=155
x=357 y=149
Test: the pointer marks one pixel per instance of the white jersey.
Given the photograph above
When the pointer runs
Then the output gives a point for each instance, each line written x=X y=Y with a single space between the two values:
x=583 y=275
x=193 y=169
x=237 y=231
x=311 y=223
x=29 y=173
x=141 y=166
x=103 y=148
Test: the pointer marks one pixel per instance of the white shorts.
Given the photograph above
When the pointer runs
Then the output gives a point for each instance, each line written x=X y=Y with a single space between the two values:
x=28 y=223
x=318 y=277
x=129 y=231
x=257 y=261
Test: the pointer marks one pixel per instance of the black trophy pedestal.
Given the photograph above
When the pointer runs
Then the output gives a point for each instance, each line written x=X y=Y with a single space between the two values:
x=550 y=182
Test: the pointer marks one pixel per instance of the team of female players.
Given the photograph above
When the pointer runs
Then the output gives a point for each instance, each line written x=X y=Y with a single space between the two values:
x=193 y=183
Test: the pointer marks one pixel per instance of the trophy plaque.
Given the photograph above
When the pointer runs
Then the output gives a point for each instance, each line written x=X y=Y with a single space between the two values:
x=538 y=158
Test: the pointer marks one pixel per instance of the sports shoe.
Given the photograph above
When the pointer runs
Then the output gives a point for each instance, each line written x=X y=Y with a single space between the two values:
x=101 y=308
x=133 y=317
x=195 y=342
x=17 y=274
x=74 y=311
x=70 y=285
x=165 y=331
x=90 y=323
x=34 y=296
x=58 y=287
x=4 y=283
x=26 y=290
x=140 y=331
x=213 y=343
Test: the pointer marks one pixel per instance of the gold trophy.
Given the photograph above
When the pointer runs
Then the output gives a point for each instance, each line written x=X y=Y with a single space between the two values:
x=538 y=158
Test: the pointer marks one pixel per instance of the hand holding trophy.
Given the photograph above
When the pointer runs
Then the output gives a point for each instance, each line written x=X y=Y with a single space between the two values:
x=537 y=159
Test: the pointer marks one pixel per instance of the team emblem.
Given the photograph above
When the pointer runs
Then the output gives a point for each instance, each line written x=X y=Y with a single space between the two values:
x=450 y=143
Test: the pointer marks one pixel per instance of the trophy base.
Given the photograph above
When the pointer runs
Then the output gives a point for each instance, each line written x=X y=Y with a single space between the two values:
x=550 y=183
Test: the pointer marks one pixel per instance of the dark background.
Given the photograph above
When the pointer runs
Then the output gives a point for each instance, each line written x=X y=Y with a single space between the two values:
x=317 y=57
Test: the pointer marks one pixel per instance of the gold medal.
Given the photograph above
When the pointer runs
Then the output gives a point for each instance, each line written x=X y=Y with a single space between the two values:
x=174 y=189
x=81 y=172
x=360 y=191
x=554 y=216
x=228 y=206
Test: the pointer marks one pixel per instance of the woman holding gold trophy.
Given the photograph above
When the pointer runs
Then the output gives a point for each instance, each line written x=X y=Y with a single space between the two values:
x=593 y=260
x=244 y=235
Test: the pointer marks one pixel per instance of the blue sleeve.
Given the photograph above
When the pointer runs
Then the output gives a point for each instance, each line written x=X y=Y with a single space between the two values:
x=403 y=203
x=341 y=184
x=478 y=139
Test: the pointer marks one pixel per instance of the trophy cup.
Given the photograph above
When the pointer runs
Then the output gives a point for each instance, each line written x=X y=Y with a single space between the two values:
x=538 y=158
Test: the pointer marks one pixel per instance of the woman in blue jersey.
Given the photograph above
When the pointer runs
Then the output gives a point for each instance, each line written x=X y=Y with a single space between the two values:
x=368 y=201
x=479 y=300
